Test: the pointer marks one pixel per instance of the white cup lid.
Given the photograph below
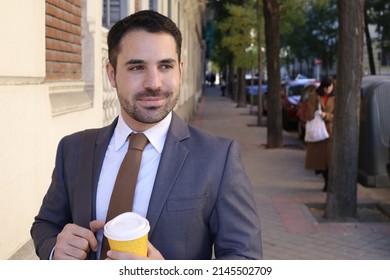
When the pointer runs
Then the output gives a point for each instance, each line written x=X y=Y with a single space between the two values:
x=126 y=226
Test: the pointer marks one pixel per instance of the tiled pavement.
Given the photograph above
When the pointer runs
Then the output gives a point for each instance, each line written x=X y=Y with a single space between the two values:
x=283 y=188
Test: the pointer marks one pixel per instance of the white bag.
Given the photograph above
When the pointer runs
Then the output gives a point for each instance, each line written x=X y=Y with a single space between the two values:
x=316 y=129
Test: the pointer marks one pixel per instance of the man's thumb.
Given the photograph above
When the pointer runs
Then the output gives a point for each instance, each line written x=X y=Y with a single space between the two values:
x=96 y=225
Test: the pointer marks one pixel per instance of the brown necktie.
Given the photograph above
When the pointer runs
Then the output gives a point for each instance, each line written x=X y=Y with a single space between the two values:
x=123 y=193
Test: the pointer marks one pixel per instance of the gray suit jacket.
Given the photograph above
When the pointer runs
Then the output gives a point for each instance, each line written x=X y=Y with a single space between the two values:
x=202 y=199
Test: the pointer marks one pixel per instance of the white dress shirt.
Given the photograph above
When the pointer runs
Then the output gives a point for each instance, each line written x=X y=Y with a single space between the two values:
x=115 y=153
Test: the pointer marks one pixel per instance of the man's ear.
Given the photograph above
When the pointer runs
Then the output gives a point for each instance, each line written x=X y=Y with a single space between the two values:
x=181 y=67
x=111 y=74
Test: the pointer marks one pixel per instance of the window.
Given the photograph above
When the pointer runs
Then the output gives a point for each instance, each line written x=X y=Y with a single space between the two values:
x=113 y=10
x=153 y=5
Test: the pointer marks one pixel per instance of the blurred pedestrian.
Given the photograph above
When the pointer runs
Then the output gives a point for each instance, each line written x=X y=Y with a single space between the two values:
x=223 y=86
x=212 y=79
x=318 y=153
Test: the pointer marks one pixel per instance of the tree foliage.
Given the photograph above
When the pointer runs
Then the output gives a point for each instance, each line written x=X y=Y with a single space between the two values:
x=239 y=37
x=378 y=12
x=314 y=36
x=235 y=42
x=292 y=15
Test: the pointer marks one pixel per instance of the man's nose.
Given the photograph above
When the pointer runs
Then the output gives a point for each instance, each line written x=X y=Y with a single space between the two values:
x=152 y=79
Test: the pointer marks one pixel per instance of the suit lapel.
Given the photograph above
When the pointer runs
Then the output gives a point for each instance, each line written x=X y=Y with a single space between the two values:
x=102 y=141
x=172 y=160
x=94 y=143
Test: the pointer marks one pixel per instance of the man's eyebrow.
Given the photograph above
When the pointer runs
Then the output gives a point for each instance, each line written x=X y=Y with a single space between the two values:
x=135 y=61
x=141 y=61
x=168 y=60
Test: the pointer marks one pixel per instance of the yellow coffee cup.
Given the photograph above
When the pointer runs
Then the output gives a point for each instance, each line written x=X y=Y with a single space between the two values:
x=128 y=232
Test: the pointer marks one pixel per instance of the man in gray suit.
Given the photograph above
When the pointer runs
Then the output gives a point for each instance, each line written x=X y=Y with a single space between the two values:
x=191 y=187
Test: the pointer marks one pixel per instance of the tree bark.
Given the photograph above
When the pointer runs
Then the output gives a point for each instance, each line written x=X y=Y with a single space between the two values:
x=241 y=87
x=260 y=67
x=341 y=201
x=241 y=102
x=230 y=84
x=272 y=40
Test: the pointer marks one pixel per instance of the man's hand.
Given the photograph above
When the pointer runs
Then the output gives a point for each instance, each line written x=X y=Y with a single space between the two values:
x=74 y=242
x=153 y=254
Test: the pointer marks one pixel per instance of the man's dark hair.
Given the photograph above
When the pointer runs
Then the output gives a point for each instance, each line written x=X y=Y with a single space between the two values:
x=147 y=20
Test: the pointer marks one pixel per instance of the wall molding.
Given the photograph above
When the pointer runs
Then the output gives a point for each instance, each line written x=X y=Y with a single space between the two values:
x=68 y=97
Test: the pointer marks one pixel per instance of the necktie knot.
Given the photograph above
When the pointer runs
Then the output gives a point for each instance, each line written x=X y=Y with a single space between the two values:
x=138 y=141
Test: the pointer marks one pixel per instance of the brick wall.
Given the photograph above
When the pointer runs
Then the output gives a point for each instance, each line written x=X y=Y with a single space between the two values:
x=63 y=40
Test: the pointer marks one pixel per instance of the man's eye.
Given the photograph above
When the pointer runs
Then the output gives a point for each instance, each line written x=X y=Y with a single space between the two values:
x=166 y=66
x=136 y=68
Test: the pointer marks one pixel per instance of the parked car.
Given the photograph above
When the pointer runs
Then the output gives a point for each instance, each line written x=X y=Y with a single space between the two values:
x=302 y=108
x=252 y=91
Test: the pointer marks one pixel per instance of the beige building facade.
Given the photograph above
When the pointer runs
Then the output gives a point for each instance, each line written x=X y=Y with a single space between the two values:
x=53 y=83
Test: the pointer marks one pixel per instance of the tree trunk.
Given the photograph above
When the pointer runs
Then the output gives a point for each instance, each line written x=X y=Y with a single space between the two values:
x=230 y=84
x=260 y=67
x=369 y=45
x=341 y=201
x=272 y=40
x=241 y=97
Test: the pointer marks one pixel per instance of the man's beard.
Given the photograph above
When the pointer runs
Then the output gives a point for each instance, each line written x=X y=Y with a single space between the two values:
x=149 y=115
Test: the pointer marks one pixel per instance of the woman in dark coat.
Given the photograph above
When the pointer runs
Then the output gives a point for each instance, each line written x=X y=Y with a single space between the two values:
x=318 y=153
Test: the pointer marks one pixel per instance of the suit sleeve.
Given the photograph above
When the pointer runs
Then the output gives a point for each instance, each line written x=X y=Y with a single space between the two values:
x=54 y=213
x=235 y=222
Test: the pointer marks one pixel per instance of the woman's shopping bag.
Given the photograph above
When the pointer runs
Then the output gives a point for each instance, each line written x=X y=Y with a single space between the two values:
x=316 y=129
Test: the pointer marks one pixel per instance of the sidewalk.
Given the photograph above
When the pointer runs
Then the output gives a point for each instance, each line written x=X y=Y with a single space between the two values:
x=282 y=188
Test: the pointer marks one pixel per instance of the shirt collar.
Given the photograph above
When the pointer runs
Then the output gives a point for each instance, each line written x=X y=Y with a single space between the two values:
x=156 y=134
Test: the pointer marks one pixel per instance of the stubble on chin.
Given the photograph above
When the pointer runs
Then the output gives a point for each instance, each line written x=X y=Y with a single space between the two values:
x=148 y=115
